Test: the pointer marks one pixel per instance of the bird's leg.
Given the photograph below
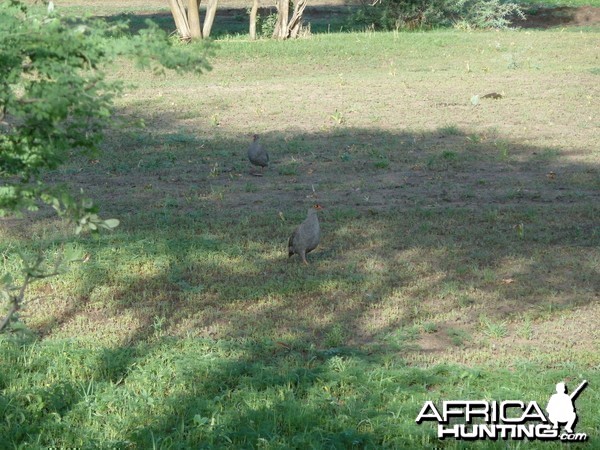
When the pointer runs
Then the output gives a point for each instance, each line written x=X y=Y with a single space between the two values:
x=303 y=255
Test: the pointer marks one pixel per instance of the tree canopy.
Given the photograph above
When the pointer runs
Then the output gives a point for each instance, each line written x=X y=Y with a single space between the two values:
x=55 y=99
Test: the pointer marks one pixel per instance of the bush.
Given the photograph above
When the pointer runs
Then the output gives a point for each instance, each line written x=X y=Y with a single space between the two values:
x=55 y=100
x=266 y=24
x=412 y=14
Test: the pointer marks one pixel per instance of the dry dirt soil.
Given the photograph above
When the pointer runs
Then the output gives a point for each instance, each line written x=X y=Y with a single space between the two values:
x=561 y=16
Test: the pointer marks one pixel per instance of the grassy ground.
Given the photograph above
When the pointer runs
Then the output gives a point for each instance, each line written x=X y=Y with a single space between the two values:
x=460 y=252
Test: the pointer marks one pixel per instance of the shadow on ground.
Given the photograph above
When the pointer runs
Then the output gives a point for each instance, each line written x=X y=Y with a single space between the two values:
x=422 y=232
x=444 y=228
x=234 y=21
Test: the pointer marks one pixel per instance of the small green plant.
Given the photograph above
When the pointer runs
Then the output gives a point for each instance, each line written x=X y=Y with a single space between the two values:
x=157 y=325
x=383 y=163
x=215 y=171
x=217 y=193
x=338 y=117
x=335 y=336
x=493 y=329
x=503 y=149
x=249 y=187
x=449 y=155
x=170 y=202
x=458 y=336
x=443 y=161
x=520 y=229
x=430 y=327
x=464 y=300
x=474 y=138
x=289 y=169
x=450 y=130
x=512 y=63
x=526 y=330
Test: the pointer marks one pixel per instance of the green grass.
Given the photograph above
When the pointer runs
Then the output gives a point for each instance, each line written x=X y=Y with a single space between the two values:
x=453 y=264
x=190 y=393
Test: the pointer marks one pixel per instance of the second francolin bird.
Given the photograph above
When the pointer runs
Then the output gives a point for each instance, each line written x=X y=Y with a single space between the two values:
x=257 y=154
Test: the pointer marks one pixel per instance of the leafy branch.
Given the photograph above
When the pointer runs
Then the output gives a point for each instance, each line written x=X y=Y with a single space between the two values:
x=14 y=293
x=55 y=104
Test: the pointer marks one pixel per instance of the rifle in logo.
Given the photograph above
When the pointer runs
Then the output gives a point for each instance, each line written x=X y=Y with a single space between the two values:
x=561 y=407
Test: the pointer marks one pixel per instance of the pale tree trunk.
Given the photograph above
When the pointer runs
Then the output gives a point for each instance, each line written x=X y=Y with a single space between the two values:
x=295 y=24
x=181 y=20
x=187 y=21
x=285 y=29
x=253 y=13
x=283 y=10
x=193 y=12
x=211 y=10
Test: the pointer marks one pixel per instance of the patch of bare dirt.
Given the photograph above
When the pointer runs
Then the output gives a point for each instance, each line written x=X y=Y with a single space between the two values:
x=563 y=16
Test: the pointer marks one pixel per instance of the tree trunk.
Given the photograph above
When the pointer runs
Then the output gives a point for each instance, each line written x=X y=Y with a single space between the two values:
x=281 y=26
x=285 y=29
x=181 y=20
x=211 y=10
x=193 y=13
x=253 y=13
x=295 y=24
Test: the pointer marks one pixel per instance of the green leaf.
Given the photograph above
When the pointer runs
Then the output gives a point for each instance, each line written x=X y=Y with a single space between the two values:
x=71 y=254
x=111 y=223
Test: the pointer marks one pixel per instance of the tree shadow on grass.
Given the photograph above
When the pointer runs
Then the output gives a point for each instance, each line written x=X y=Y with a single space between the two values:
x=182 y=393
x=418 y=227
x=201 y=393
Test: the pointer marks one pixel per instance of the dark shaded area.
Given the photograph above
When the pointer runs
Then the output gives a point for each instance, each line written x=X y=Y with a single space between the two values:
x=441 y=192
x=444 y=190
x=263 y=393
x=234 y=21
x=262 y=367
x=565 y=16
x=326 y=19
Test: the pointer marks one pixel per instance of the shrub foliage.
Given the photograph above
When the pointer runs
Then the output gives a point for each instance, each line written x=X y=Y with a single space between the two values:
x=395 y=14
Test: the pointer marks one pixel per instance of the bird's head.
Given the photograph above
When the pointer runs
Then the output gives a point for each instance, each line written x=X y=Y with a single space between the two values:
x=317 y=207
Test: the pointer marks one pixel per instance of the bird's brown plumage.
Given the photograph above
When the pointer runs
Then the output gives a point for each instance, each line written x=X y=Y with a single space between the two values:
x=257 y=153
x=306 y=236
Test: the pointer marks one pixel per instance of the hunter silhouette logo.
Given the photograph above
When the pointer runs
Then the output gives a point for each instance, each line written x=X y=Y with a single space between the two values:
x=561 y=408
x=509 y=419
